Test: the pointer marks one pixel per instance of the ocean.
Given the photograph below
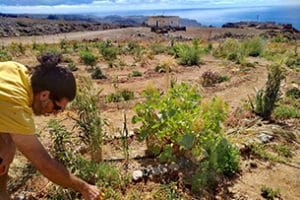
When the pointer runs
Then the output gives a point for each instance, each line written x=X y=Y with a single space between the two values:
x=219 y=16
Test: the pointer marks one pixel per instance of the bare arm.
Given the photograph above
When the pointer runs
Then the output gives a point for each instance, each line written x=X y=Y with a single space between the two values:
x=31 y=147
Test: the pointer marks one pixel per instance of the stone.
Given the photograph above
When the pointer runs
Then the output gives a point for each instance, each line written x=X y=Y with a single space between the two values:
x=265 y=137
x=174 y=167
x=137 y=175
x=20 y=197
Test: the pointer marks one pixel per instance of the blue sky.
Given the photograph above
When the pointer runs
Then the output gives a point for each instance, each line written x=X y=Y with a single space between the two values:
x=89 y=6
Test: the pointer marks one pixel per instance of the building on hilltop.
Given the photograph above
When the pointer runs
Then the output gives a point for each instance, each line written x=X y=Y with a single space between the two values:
x=163 y=24
x=163 y=21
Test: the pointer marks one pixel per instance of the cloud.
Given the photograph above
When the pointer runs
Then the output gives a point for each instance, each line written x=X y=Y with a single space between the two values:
x=43 y=2
x=100 y=6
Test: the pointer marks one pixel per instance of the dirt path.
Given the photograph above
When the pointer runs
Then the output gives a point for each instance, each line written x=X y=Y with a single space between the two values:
x=113 y=34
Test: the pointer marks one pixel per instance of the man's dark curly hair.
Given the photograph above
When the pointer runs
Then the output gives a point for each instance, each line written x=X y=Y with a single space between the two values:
x=59 y=81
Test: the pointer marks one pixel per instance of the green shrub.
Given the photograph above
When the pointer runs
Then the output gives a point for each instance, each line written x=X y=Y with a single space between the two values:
x=283 y=150
x=4 y=56
x=97 y=74
x=108 y=50
x=265 y=99
x=178 y=124
x=293 y=93
x=127 y=94
x=60 y=137
x=286 y=112
x=88 y=58
x=187 y=54
x=72 y=66
x=136 y=74
x=231 y=50
x=123 y=95
x=269 y=193
x=293 y=62
x=253 y=47
x=89 y=119
x=222 y=159
x=158 y=48
x=163 y=68
x=17 y=48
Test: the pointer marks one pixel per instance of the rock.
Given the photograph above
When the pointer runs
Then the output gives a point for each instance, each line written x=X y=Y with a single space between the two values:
x=20 y=197
x=253 y=165
x=265 y=137
x=137 y=175
x=174 y=167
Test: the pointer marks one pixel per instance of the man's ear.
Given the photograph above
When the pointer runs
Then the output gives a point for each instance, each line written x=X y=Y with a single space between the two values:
x=44 y=95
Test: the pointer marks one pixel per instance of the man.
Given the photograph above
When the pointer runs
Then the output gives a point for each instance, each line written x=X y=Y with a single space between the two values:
x=48 y=90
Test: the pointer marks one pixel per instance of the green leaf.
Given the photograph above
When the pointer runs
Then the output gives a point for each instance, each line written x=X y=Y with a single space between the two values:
x=187 y=141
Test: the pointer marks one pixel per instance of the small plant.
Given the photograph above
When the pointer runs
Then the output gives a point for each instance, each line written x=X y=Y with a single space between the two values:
x=293 y=93
x=72 y=66
x=163 y=68
x=17 y=48
x=157 y=48
x=88 y=58
x=283 y=150
x=231 y=50
x=108 y=50
x=269 y=193
x=168 y=192
x=265 y=99
x=89 y=119
x=4 y=56
x=62 y=148
x=210 y=78
x=136 y=74
x=286 y=112
x=253 y=47
x=97 y=74
x=188 y=55
x=123 y=95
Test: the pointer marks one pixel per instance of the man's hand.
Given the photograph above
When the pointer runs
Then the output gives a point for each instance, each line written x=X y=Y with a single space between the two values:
x=91 y=192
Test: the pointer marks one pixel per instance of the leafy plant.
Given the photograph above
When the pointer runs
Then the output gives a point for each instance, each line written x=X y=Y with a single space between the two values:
x=265 y=99
x=158 y=48
x=163 y=68
x=62 y=146
x=123 y=95
x=136 y=74
x=231 y=50
x=167 y=192
x=286 y=112
x=293 y=62
x=253 y=47
x=89 y=119
x=293 y=93
x=108 y=50
x=269 y=193
x=283 y=150
x=88 y=58
x=97 y=74
x=167 y=119
x=4 y=56
x=188 y=54
x=72 y=66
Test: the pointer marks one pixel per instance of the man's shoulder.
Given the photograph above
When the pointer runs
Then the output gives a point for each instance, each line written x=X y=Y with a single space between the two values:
x=12 y=64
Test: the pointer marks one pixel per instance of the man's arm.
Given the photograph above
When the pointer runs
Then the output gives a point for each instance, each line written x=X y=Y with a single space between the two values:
x=31 y=147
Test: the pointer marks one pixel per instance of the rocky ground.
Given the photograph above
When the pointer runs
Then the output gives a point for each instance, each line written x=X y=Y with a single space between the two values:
x=256 y=170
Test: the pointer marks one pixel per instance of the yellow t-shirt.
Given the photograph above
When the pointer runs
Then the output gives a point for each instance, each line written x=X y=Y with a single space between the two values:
x=15 y=99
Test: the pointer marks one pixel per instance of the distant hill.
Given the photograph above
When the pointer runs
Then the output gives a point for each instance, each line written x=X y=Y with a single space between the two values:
x=38 y=24
x=24 y=25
